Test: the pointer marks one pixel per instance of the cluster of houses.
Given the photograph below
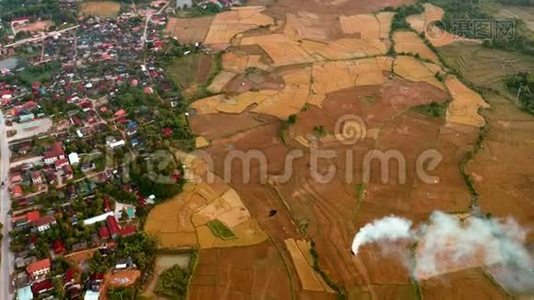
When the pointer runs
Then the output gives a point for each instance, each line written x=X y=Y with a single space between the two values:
x=34 y=277
x=52 y=167
x=95 y=58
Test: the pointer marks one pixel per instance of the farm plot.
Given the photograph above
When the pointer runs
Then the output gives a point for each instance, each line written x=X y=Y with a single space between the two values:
x=473 y=282
x=306 y=40
x=228 y=24
x=189 y=30
x=411 y=68
x=106 y=9
x=331 y=212
x=279 y=8
x=191 y=70
x=240 y=273
x=485 y=67
x=300 y=254
x=465 y=104
x=204 y=215
x=239 y=62
x=409 y=42
x=524 y=13
x=495 y=168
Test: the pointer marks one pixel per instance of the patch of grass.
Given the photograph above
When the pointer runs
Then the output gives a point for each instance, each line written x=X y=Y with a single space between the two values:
x=220 y=230
x=360 y=191
x=216 y=68
x=319 y=131
x=182 y=70
x=201 y=10
x=40 y=73
x=434 y=109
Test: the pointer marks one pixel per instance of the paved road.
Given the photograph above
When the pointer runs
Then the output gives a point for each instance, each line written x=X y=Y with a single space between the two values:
x=5 y=205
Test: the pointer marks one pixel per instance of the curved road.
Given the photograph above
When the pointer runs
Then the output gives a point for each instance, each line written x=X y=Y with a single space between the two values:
x=6 y=267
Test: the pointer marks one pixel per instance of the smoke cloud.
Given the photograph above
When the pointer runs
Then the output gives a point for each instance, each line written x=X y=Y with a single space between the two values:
x=447 y=243
x=388 y=228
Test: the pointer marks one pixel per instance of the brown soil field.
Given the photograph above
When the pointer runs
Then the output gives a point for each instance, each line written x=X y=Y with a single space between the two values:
x=100 y=8
x=300 y=255
x=284 y=50
x=182 y=221
x=220 y=81
x=241 y=273
x=323 y=73
x=209 y=125
x=331 y=211
x=254 y=80
x=80 y=256
x=123 y=278
x=228 y=24
x=307 y=25
x=465 y=104
x=239 y=62
x=410 y=42
x=503 y=169
x=366 y=26
x=189 y=30
x=467 y=284
x=413 y=69
x=35 y=26
x=279 y=8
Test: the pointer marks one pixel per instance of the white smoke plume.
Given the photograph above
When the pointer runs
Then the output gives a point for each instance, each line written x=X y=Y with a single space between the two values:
x=388 y=228
x=447 y=244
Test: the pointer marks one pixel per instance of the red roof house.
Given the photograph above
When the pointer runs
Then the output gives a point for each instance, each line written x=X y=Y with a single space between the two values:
x=16 y=191
x=120 y=113
x=44 y=223
x=167 y=132
x=59 y=247
x=39 y=268
x=53 y=154
x=128 y=231
x=60 y=163
x=103 y=232
x=42 y=287
x=113 y=226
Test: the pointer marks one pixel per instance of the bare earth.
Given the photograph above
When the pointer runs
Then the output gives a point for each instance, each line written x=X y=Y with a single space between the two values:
x=322 y=61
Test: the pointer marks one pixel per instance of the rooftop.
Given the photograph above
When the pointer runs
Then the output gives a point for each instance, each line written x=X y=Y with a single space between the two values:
x=38 y=265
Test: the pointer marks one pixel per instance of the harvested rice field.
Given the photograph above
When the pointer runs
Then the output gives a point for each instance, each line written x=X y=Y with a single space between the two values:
x=291 y=72
x=106 y=9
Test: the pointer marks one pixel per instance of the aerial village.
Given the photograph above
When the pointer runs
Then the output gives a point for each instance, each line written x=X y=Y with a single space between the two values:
x=90 y=101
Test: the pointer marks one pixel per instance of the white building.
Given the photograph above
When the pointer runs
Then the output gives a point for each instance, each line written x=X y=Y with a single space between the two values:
x=184 y=4
x=74 y=159
x=97 y=219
